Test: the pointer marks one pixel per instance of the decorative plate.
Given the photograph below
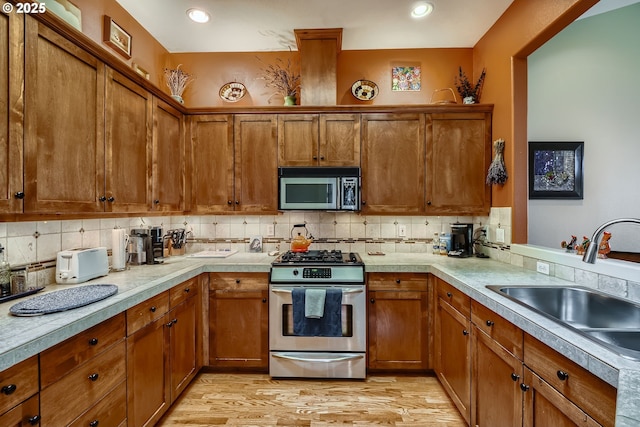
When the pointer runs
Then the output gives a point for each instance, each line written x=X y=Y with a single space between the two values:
x=232 y=92
x=364 y=90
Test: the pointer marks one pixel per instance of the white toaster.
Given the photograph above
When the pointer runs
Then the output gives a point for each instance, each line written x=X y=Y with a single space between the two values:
x=80 y=265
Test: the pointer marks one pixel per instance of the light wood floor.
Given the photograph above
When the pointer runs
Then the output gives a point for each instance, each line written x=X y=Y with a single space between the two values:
x=257 y=400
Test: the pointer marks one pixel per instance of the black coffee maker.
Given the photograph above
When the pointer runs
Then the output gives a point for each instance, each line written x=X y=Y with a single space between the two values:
x=461 y=240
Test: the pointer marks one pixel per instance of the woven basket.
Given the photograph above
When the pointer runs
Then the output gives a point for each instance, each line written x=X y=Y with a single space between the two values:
x=444 y=100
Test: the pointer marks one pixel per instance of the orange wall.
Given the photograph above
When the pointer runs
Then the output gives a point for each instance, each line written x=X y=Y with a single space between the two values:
x=525 y=26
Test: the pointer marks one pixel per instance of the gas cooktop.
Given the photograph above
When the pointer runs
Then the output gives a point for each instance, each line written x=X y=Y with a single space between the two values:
x=315 y=257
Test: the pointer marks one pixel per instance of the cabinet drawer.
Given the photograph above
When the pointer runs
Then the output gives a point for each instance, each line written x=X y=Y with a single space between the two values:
x=454 y=297
x=184 y=290
x=66 y=399
x=501 y=330
x=397 y=281
x=18 y=383
x=61 y=359
x=25 y=414
x=146 y=312
x=593 y=395
x=109 y=411
x=238 y=281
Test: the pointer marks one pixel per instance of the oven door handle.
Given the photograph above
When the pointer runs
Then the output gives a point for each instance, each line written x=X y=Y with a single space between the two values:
x=330 y=359
x=344 y=291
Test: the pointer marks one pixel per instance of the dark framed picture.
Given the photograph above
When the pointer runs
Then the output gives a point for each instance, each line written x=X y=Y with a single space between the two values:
x=555 y=170
x=116 y=37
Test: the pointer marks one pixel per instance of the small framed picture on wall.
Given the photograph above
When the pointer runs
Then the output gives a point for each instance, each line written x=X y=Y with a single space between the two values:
x=555 y=170
x=116 y=37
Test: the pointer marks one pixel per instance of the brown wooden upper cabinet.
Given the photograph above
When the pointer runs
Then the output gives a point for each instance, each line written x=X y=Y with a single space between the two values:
x=393 y=163
x=168 y=158
x=319 y=139
x=64 y=157
x=458 y=157
x=11 y=130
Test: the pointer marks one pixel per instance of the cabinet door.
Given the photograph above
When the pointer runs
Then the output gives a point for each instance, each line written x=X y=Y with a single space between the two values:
x=256 y=163
x=211 y=163
x=238 y=329
x=64 y=125
x=458 y=157
x=298 y=140
x=398 y=330
x=11 y=111
x=544 y=406
x=148 y=394
x=168 y=158
x=26 y=414
x=393 y=163
x=497 y=375
x=128 y=145
x=339 y=142
x=183 y=346
x=453 y=351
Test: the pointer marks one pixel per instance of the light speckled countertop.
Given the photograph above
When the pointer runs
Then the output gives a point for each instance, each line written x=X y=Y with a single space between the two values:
x=22 y=337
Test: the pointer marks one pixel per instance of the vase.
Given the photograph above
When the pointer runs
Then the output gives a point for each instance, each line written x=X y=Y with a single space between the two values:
x=289 y=100
x=468 y=100
x=178 y=98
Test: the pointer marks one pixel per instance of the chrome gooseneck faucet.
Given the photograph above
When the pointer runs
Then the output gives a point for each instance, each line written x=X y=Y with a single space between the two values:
x=591 y=253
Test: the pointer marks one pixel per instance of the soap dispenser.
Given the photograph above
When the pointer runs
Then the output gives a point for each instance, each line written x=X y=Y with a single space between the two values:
x=5 y=274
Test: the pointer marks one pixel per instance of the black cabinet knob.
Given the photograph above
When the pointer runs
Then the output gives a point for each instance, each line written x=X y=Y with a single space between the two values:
x=398 y=281
x=93 y=377
x=237 y=202
x=364 y=202
x=156 y=202
x=562 y=375
x=372 y=300
x=515 y=377
x=153 y=309
x=102 y=199
x=449 y=294
x=315 y=157
x=321 y=157
x=170 y=324
x=186 y=290
x=237 y=280
x=465 y=332
x=9 y=389
x=34 y=420
x=93 y=341
x=489 y=323
x=229 y=202
x=94 y=423
x=264 y=300
x=524 y=387
x=19 y=195
x=111 y=199
x=428 y=202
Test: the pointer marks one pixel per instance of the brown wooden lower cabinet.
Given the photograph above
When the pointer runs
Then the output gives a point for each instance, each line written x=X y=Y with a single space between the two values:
x=20 y=400
x=239 y=321
x=26 y=414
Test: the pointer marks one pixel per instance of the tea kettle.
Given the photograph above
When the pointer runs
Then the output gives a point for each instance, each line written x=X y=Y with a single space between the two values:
x=300 y=243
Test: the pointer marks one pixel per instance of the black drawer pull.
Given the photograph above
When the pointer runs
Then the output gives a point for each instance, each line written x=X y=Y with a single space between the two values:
x=94 y=423
x=186 y=290
x=153 y=309
x=19 y=195
x=489 y=323
x=449 y=294
x=93 y=341
x=515 y=377
x=237 y=280
x=9 y=389
x=562 y=375
x=524 y=387
x=34 y=420
x=93 y=377
x=398 y=281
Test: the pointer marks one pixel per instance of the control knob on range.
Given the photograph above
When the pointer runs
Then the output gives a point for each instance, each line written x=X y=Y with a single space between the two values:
x=296 y=272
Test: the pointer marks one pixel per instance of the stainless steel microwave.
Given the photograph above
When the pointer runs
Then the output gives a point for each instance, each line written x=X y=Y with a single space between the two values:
x=319 y=188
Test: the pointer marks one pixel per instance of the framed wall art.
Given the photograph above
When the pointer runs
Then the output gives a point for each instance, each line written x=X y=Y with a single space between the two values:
x=405 y=79
x=555 y=170
x=116 y=37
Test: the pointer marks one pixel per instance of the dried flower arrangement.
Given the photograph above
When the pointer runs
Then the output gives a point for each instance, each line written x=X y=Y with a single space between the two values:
x=177 y=80
x=281 y=77
x=470 y=94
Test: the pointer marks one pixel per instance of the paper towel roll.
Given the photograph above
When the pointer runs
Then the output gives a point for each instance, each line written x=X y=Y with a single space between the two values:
x=120 y=240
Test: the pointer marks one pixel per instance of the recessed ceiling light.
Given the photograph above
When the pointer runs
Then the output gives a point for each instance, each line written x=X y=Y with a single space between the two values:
x=421 y=9
x=198 y=15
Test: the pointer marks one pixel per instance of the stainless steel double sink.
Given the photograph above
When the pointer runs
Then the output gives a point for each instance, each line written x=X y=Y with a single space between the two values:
x=610 y=321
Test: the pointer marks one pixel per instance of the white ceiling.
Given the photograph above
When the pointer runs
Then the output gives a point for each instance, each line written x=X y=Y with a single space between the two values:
x=267 y=25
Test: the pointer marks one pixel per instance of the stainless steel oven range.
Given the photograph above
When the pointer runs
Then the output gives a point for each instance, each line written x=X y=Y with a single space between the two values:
x=317 y=315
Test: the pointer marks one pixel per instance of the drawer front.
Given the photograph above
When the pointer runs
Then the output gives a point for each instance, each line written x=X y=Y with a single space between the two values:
x=454 y=297
x=397 y=281
x=594 y=396
x=66 y=399
x=18 y=383
x=184 y=290
x=146 y=312
x=58 y=361
x=25 y=414
x=109 y=411
x=238 y=281
x=501 y=330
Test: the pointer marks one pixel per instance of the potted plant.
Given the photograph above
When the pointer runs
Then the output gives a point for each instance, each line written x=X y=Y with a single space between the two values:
x=282 y=78
x=177 y=81
x=469 y=94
